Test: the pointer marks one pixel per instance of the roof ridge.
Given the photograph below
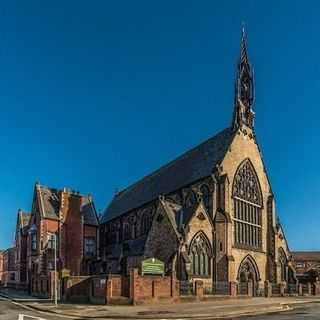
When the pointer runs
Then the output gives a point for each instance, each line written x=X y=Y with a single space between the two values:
x=192 y=165
x=170 y=163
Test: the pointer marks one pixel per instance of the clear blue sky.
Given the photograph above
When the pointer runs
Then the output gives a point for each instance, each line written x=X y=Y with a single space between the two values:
x=96 y=94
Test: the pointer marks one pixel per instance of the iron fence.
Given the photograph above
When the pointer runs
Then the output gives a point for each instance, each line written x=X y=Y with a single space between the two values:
x=242 y=288
x=221 y=288
x=186 y=288
x=291 y=288
x=275 y=289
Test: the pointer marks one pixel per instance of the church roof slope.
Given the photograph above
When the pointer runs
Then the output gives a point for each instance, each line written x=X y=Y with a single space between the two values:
x=191 y=166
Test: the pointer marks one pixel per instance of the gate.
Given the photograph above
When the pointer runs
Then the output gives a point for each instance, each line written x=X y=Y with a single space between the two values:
x=186 y=288
x=243 y=288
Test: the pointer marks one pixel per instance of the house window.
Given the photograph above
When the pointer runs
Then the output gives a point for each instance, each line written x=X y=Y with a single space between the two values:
x=90 y=247
x=247 y=207
x=51 y=241
x=33 y=241
x=200 y=254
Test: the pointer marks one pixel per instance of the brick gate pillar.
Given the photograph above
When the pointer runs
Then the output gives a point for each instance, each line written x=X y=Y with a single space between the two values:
x=133 y=281
x=317 y=288
x=233 y=289
x=199 y=289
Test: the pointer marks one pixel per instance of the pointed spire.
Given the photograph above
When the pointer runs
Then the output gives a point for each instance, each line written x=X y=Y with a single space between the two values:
x=243 y=47
x=244 y=89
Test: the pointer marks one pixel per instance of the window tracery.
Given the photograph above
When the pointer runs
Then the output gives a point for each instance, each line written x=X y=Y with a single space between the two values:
x=200 y=255
x=247 y=207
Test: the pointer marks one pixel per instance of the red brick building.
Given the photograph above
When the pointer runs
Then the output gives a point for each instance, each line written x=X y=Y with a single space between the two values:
x=21 y=241
x=9 y=276
x=307 y=265
x=71 y=219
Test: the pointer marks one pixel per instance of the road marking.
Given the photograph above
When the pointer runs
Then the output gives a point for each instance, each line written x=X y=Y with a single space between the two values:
x=23 y=316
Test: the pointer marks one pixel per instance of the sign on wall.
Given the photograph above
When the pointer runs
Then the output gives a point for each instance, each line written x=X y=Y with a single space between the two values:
x=152 y=266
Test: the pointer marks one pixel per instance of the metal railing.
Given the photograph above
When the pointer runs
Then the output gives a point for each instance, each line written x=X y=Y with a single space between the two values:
x=186 y=288
x=242 y=288
x=221 y=288
x=275 y=289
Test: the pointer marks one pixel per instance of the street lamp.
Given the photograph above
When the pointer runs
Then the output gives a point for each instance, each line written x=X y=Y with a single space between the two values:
x=31 y=231
x=54 y=235
x=55 y=271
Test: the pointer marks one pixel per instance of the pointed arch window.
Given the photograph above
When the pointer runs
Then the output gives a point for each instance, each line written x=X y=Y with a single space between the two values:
x=283 y=261
x=200 y=254
x=127 y=231
x=247 y=207
x=146 y=221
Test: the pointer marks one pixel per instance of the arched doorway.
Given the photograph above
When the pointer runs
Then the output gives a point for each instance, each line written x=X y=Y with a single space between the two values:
x=248 y=273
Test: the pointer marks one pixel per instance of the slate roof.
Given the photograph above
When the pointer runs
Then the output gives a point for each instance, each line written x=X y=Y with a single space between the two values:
x=50 y=201
x=89 y=211
x=306 y=255
x=193 y=165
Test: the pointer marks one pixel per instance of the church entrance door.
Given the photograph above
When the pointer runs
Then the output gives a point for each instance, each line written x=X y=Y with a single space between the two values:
x=248 y=277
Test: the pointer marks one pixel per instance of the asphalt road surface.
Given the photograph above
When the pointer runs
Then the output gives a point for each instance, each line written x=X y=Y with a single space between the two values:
x=307 y=311
x=11 y=311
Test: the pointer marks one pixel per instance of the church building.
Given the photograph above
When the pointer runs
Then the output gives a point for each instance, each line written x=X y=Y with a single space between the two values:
x=209 y=214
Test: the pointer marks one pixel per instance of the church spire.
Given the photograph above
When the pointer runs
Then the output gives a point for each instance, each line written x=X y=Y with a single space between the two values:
x=244 y=90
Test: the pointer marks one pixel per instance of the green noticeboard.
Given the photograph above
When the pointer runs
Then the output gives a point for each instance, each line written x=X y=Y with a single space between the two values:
x=152 y=266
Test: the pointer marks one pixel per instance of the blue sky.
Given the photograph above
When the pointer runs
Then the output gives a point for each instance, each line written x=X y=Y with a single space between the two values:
x=96 y=94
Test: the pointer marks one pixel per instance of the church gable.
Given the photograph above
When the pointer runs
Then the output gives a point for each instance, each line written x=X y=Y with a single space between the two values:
x=198 y=222
x=163 y=238
x=198 y=219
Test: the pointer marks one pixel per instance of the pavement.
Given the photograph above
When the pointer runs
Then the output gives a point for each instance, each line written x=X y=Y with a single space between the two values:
x=215 y=309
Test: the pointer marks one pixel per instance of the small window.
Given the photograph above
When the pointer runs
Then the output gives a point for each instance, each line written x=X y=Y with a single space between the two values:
x=51 y=241
x=12 y=276
x=90 y=247
x=33 y=241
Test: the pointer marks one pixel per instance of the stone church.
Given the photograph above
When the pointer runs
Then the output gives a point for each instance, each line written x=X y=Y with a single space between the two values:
x=209 y=214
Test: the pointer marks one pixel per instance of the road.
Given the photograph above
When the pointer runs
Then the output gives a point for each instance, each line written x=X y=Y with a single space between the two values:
x=307 y=311
x=11 y=311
